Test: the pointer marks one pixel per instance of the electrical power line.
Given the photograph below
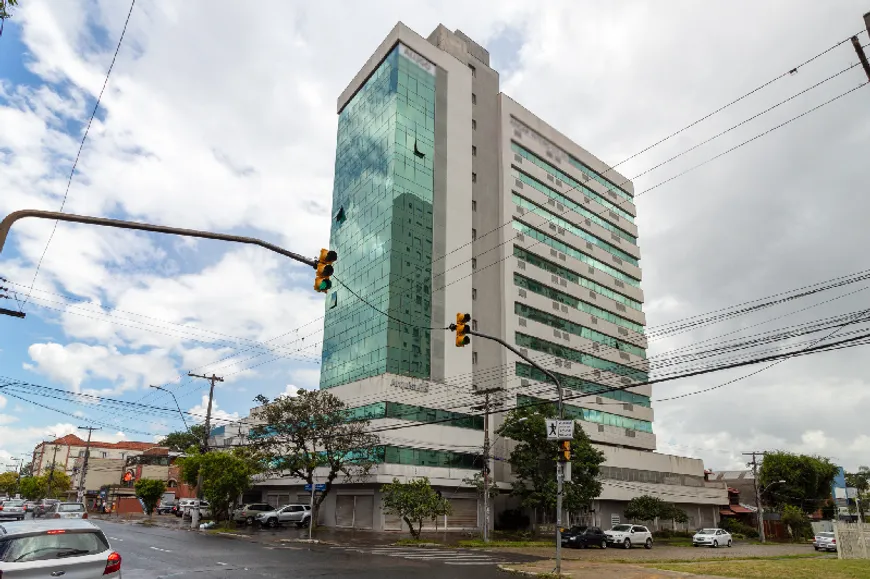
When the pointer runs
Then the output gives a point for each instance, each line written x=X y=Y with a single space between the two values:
x=82 y=146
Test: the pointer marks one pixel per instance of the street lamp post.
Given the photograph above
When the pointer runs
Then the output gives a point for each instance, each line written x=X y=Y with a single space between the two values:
x=761 y=509
x=177 y=405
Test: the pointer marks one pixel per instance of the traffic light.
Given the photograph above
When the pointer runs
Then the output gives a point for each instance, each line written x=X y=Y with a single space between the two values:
x=462 y=338
x=322 y=282
x=565 y=451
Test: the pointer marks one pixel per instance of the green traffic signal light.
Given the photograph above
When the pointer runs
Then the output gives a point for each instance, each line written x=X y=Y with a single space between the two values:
x=324 y=285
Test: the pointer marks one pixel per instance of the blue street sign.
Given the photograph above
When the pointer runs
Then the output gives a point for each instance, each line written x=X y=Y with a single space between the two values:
x=318 y=487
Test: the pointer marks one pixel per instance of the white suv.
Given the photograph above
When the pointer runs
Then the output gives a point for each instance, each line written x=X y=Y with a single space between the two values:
x=627 y=536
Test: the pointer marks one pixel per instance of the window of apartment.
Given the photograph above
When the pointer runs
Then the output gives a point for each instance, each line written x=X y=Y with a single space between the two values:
x=105 y=454
x=81 y=453
x=473 y=99
x=473 y=325
x=473 y=124
x=473 y=151
x=474 y=357
x=473 y=70
x=473 y=293
x=473 y=263
x=473 y=234
x=474 y=177
x=474 y=205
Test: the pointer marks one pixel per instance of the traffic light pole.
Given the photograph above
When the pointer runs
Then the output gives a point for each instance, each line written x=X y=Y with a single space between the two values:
x=7 y=222
x=560 y=477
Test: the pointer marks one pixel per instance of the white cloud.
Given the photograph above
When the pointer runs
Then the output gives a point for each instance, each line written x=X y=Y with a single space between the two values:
x=217 y=416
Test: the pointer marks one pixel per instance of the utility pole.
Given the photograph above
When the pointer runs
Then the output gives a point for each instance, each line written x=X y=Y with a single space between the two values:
x=758 y=505
x=487 y=468
x=560 y=472
x=81 y=490
x=194 y=516
x=51 y=470
x=860 y=50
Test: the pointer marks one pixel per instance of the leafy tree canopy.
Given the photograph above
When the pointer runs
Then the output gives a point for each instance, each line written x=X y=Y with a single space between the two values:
x=808 y=480
x=182 y=440
x=415 y=502
x=533 y=461
x=5 y=5
x=150 y=491
x=8 y=483
x=225 y=476
x=311 y=430
x=649 y=508
x=859 y=479
x=37 y=487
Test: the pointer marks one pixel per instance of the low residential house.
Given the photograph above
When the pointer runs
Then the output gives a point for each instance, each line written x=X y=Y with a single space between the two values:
x=66 y=451
x=737 y=511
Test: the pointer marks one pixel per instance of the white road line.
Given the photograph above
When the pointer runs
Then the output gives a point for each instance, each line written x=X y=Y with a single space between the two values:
x=117 y=539
x=220 y=563
x=161 y=550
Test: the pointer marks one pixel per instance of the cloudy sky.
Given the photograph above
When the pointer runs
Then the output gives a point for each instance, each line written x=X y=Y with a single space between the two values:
x=221 y=116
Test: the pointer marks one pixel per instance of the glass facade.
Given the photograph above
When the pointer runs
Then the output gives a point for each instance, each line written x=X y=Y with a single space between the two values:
x=563 y=298
x=566 y=353
x=595 y=416
x=526 y=229
x=558 y=197
x=581 y=233
x=575 y=277
x=423 y=457
x=382 y=226
x=522 y=152
x=568 y=326
x=584 y=386
x=413 y=413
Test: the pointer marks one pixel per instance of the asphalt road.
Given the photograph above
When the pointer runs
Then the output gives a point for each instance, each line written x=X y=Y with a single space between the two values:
x=158 y=553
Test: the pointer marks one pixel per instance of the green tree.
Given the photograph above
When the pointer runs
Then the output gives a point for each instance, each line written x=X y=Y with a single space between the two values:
x=225 y=476
x=5 y=5
x=808 y=480
x=182 y=440
x=649 y=508
x=415 y=502
x=797 y=522
x=533 y=461
x=150 y=491
x=8 y=483
x=32 y=488
x=859 y=479
x=37 y=487
x=311 y=430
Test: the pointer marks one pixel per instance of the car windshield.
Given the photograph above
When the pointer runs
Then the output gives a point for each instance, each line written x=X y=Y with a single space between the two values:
x=577 y=529
x=71 y=508
x=707 y=531
x=621 y=528
x=54 y=546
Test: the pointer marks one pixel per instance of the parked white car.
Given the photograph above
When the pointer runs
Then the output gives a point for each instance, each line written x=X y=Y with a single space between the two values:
x=627 y=536
x=186 y=505
x=825 y=542
x=712 y=538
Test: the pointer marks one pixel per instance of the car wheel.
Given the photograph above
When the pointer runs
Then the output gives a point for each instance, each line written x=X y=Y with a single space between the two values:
x=272 y=523
x=715 y=544
x=603 y=544
x=626 y=544
x=694 y=544
x=249 y=521
x=816 y=548
x=648 y=544
x=729 y=543
x=305 y=523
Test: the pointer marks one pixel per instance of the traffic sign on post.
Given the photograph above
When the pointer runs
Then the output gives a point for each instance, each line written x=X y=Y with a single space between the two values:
x=318 y=487
x=560 y=429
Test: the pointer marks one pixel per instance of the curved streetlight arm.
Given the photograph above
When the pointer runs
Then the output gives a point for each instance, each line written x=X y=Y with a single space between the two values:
x=177 y=405
x=7 y=222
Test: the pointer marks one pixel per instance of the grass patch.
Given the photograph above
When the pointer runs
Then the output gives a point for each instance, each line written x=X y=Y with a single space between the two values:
x=478 y=543
x=779 y=568
x=418 y=543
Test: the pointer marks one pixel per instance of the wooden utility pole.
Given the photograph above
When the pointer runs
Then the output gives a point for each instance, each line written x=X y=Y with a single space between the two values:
x=82 y=489
x=51 y=470
x=860 y=51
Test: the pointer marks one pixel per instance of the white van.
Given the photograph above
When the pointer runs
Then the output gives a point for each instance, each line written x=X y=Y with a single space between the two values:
x=184 y=506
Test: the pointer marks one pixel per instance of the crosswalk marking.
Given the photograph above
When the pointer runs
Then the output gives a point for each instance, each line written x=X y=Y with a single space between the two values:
x=448 y=557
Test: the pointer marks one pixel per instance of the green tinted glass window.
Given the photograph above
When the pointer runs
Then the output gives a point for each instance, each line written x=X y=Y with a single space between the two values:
x=575 y=277
x=584 y=386
x=382 y=193
x=560 y=351
x=595 y=416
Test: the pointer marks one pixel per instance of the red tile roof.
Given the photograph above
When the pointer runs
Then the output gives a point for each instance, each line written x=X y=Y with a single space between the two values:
x=740 y=510
x=73 y=440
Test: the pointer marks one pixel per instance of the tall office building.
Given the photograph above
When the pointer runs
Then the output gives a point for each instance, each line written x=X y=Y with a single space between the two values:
x=451 y=197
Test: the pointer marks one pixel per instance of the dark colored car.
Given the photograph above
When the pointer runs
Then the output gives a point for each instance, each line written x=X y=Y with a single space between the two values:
x=44 y=506
x=584 y=537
